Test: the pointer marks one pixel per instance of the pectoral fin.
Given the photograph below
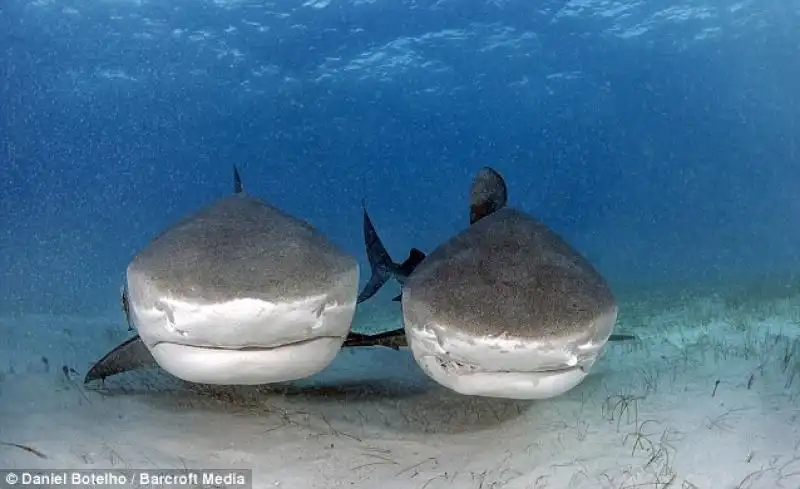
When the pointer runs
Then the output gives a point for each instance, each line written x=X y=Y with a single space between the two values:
x=393 y=339
x=622 y=337
x=130 y=355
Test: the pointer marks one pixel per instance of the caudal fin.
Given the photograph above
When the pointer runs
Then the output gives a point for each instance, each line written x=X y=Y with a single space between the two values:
x=415 y=257
x=381 y=264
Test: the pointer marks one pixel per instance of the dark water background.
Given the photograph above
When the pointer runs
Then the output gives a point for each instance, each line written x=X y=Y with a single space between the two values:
x=669 y=157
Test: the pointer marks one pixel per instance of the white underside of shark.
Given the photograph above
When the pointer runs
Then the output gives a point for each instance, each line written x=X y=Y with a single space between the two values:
x=503 y=366
x=237 y=293
x=262 y=342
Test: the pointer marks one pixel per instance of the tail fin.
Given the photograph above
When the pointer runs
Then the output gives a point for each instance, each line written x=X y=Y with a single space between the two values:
x=415 y=257
x=237 y=181
x=380 y=262
x=405 y=269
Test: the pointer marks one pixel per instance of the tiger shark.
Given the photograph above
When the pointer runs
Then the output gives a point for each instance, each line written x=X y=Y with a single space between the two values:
x=239 y=292
x=506 y=308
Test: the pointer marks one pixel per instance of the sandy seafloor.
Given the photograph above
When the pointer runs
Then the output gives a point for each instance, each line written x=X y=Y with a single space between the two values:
x=707 y=398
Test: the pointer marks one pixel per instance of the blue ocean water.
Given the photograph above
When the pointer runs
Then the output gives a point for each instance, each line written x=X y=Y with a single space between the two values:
x=661 y=140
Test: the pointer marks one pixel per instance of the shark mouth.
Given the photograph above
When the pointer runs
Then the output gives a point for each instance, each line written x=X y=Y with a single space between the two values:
x=247 y=365
x=537 y=366
x=479 y=367
x=457 y=367
x=248 y=347
x=527 y=385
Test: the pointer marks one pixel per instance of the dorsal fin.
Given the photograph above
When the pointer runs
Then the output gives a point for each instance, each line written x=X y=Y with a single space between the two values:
x=237 y=181
x=488 y=194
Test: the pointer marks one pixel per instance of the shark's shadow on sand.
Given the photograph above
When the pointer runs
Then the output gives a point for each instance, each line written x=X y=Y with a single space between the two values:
x=363 y=391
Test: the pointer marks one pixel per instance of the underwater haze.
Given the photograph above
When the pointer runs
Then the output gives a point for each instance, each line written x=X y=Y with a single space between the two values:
x=661 y=140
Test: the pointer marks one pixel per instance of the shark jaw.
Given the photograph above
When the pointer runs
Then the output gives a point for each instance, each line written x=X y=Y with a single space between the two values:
x=521 y=385
x=246 y=366
x=244 y=341
x=509 y=367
